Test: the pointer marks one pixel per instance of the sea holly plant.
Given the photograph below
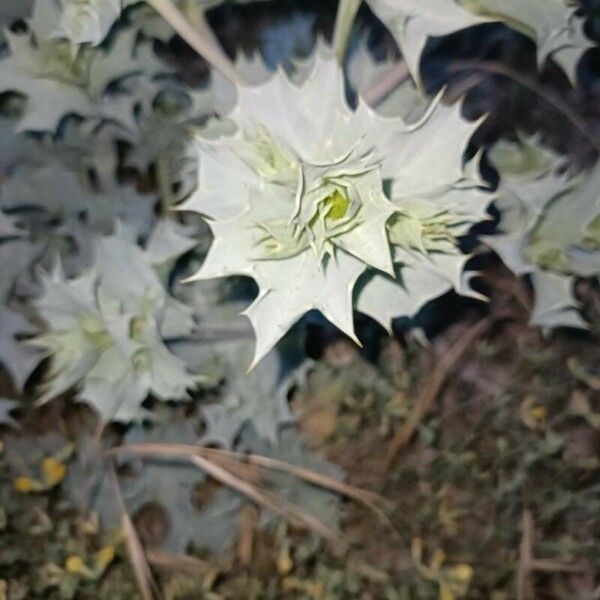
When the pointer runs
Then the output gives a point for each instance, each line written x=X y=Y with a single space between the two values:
x=88 y=21
x=552 y=24
x=333 y=182
x=106 y=329
x=413 y=22
x=549 y=227
x=57 y=79
x=306 y=214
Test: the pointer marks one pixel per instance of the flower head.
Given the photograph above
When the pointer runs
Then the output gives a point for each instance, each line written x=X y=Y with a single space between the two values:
x=296 y=196
x=105 y=332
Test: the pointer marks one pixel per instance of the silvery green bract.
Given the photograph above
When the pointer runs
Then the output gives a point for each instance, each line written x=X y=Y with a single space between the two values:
x=88 y=21
x=172 y=113
x=364 y=72
x=18 y=358
x=58 y=81
x=549 y=228
x=171 y=485
x=295 y=200
x=413 y=22
x=431 y=217
x=552 y=24
x=105 y=330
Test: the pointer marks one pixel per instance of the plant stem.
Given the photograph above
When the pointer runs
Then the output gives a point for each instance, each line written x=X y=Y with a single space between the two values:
x=530 y=83
x=387 y=84
x=146 y=584
x=200 y=38
x=347 y=11
x=434 y=385
x=164 y=186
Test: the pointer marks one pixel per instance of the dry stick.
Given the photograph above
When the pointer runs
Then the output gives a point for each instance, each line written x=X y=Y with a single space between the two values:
x=529 y=564
x=264 y=498
x=462 y=87
x=344 y=20
x=364 y=497
x=525 y=556
x=249 y=517
x=230 y=459
x=530 y=83
x=141 y=570
x=432 y=390
x=200 y=38
x=167 y=199
x=178 y=562
x=386 y=85
x=367 y=498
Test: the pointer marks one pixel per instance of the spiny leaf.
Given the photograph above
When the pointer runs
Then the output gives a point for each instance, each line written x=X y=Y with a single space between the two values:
x=56 y=82
x=552 y=24
x=88 y=21
x=547 y=224
x=413 y=22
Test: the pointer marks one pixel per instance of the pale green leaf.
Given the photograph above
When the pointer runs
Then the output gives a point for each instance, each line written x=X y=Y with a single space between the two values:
x=552 y=24
x=545 y=221
x=104 y=333
x=413 y=22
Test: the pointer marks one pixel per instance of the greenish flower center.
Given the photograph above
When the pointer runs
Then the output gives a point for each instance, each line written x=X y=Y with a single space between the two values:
x=279 y=239
x=95 y=331
x=591 y=235
x=60 y=63
x=141 y=361
x=338 y=204
x=267 y=157
x=137 y=327
x=422 y=233
x=547 y=256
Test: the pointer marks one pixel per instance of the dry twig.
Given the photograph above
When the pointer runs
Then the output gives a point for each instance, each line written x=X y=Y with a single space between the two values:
x=178 y=562
x=386 y=85
x=139 y=564
x=374 y=502
x=431 y=391
x=528 y=564
x=199 y=36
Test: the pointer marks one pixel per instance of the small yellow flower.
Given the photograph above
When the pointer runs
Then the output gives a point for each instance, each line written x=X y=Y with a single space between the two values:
x=100 y=561
x=437 y=559
x=533 y=414
x=285 y=564
x=27 y=485
x=53 y=472
x=103 y=558
x=77 y=566
x=461 y=573
x=454 y=581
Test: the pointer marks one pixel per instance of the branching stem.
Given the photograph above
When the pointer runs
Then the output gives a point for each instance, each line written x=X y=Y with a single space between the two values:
x=200 y=37
x=167 y=200
x=387 y=84
x=344 y=20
